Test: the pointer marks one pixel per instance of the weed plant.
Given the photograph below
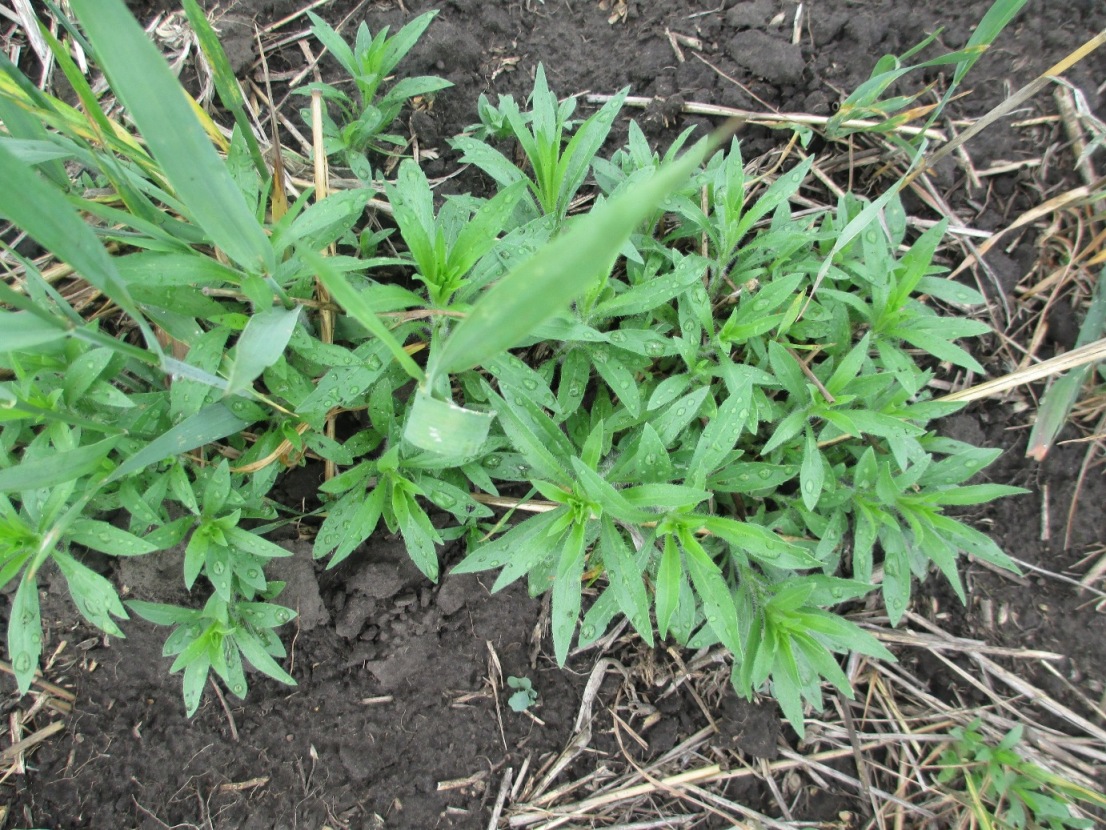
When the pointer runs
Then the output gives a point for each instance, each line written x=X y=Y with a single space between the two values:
x=709 y=410
x=1001 y=789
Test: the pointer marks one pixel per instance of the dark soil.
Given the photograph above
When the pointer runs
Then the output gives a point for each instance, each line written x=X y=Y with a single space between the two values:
x=394 y=707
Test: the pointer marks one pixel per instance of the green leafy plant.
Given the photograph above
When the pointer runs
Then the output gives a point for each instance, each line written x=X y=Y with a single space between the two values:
x=1005 y=791
x=524 y=695
x=558 y=163
x=364 y=118
x=708 y=407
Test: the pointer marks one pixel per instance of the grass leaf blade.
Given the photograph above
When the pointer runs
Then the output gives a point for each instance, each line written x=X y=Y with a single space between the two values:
x=547 y=281
x=153 y=96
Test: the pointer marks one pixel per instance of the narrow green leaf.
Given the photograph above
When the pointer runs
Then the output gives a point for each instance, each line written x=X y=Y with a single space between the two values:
x=670 y=574
x=812 y=473
x=567 y=591
x=652 y=293
x=356 y=304
x=260 y=345
x=160 y=613
x=348 y=523
x=251 y=542
x=207 y=425
x=254 y=651
x=22 y=331
x=517 y=542
x=626 y=579
x=760 y=543
x=154 y=98
x=533 y=434
x=108 y=538
x=195 y=679
x=57 y=469
x=671 y=423
x=265 y=614
x=225 y=82
x=544 y=284
x=93 y=594
x=25 y=633
x=614 y=504
x=779 y=192
x=481 y=232
x=488 y=159
x=714 y=593
x=418 y=534
x=1052 y=414
x=619 y=378
x=972 y=494
x=45 y=214
x=786 y=685
x=721 y=434
x=787 y=371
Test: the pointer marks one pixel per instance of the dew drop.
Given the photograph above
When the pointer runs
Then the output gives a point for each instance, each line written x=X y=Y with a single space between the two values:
x=252 y=574
x=238 y=689
x=283 y=616
x=492 y=461
x=445 y=500
x=530 y=384
x=765 y=474
x=218 y=568
x=373 y=362
x=575 y=390
x=743 y=477
x=681 y=412
x=22 y=662
x=587 y=632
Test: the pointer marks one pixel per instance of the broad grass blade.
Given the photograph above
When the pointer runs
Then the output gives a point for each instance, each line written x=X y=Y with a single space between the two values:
x=1056 y=405
x=546 y=282
x=44 y=213
x=159 y=106
x=57 y=469
x=994 y=21
x=207 y=425
x=225 y=82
